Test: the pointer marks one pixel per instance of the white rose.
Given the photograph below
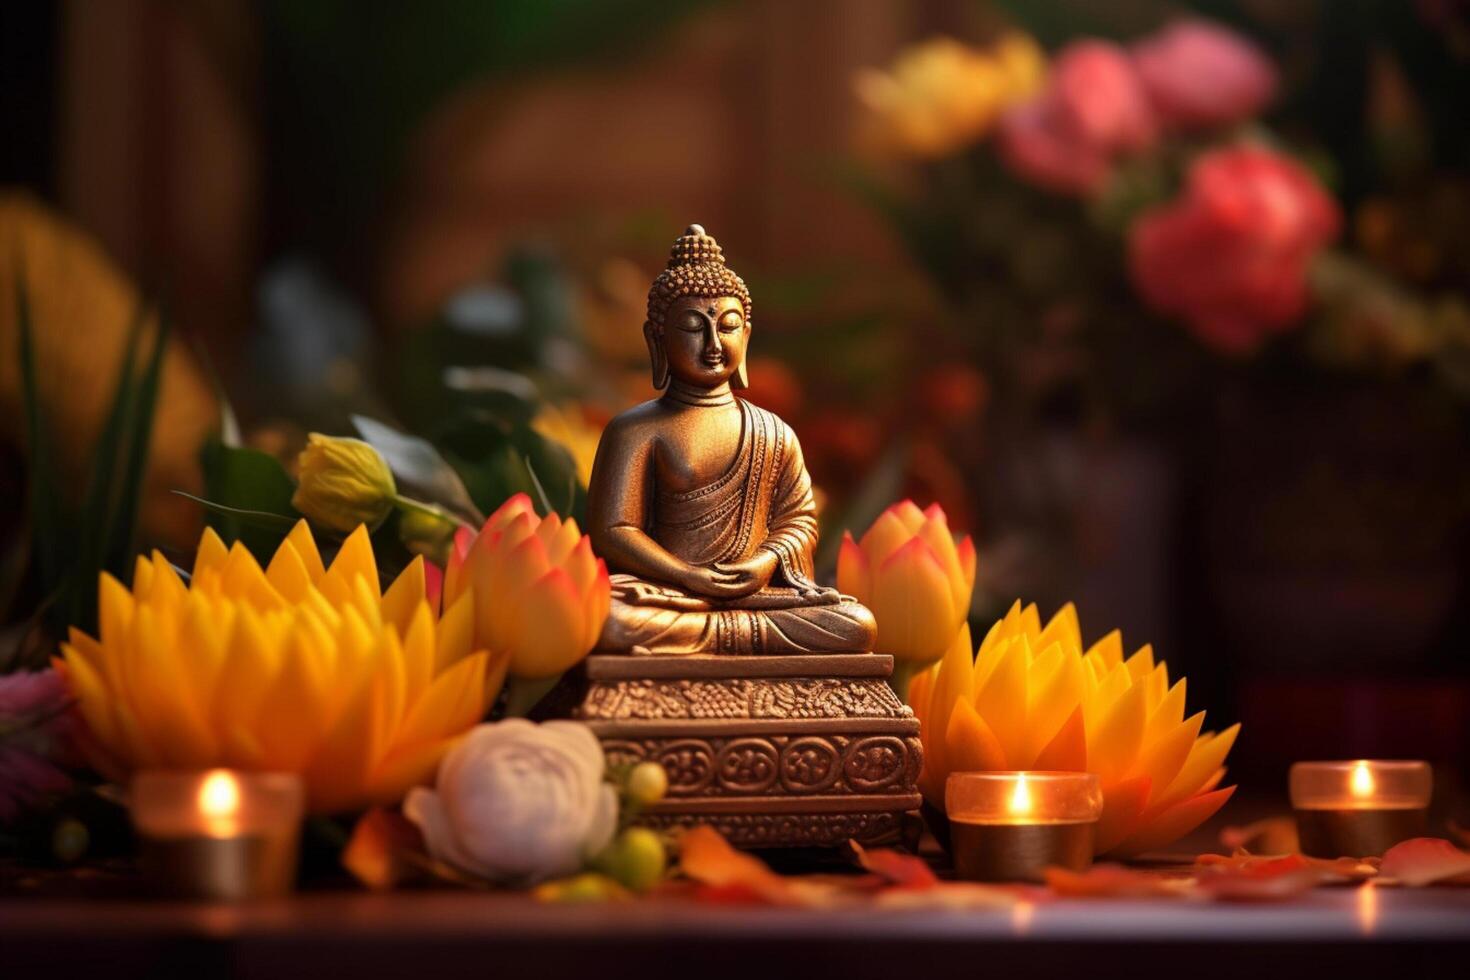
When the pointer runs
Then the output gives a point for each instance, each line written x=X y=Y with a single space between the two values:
x=517 y=802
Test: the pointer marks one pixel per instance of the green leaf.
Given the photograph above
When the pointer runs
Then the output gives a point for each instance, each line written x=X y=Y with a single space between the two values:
x=243 y=488
x=49 y=533
x=121 y=537
x=242 y=517
x=419 y=468
x=99 y=504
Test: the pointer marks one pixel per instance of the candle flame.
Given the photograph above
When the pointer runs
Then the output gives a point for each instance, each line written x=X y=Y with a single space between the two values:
x=1361 y=782
x=219 y=795
x=1020 y=802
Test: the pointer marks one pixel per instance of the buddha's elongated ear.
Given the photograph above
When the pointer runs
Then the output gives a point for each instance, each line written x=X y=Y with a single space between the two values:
x=741 y=379
x=656 y=356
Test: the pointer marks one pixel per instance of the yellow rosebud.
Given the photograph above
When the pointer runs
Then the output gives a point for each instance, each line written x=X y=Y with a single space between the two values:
x=343 y=483
x=908 y=570
x=540 y=594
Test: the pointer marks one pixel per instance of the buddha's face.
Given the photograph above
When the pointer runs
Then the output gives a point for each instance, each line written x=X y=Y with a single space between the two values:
x=704 y=339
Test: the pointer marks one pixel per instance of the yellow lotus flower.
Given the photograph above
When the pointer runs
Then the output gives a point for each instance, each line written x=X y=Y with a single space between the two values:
x=295 y=668
x=540 y=594
x=568 y=426
x=1031 y=699
x=940 y=96
x=343 y=483
x=908 y=570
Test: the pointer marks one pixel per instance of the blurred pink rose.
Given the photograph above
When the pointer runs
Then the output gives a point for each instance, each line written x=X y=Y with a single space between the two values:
x=37 y=730
x=1200 y=74
x=1230 y=255
x=1092 y=109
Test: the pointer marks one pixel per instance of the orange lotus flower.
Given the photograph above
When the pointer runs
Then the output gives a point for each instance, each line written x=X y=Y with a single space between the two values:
x=296 y=668
x=1032 y=699
x=540 y=595
x=908 y=570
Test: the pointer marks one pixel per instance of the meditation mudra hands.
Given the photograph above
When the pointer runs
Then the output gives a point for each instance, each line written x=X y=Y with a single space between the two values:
x=730 y=580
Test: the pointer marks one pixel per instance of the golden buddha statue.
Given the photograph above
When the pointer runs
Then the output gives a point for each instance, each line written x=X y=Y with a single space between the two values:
x=700 y=502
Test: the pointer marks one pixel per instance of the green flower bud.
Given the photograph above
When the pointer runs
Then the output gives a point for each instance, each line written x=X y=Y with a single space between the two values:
x=647 y=783
x=636 y=860
x=343 y=483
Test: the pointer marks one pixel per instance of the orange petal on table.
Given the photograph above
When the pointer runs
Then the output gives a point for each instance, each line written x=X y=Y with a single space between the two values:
x=897 y=869
x=375 y=855
x=1247 y=865
x=1067 y=751
x=1108 y=881
x=1122 y=806
x=1165 y=827
x=1234 y=886
x=729 y=875
x=1270 y=835
x=1426 y=861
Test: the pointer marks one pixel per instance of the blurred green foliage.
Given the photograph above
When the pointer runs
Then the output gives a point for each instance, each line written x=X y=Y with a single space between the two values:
x=70 y=546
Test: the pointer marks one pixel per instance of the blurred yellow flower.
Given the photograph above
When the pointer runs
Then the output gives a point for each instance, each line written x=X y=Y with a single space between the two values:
x=940 y=96
x=908 y=570
x=82 y=308
x=1032 y=699
x=540 y=595
x=295 y=668
x=343 y=483
x=567 y=425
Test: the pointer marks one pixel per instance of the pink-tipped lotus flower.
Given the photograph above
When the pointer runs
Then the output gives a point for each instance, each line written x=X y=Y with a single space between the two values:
x=908 y=570
x=540 y=594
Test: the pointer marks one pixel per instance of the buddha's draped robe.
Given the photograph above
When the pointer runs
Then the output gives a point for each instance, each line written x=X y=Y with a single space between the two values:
x=762 y=501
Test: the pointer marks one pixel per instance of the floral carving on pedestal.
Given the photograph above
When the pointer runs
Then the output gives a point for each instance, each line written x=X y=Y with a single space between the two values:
x=747 y=765
x=751 y=765
x=809 y=765
x=742 y=698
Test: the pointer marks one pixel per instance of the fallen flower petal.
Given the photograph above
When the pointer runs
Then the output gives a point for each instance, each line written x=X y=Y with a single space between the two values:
x=1272 y=835
x=906 y=871
x=708 y=859
x=1247 y=877
x=1426 y=861
x=377 y=854
x=1111 y=881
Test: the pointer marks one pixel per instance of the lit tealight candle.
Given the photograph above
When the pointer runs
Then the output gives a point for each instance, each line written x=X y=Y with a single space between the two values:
x=1011 y=826
x=1359 y=808
x=218 y=834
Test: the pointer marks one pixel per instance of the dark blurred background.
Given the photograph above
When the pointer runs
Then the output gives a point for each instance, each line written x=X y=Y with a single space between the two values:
x=352 y=207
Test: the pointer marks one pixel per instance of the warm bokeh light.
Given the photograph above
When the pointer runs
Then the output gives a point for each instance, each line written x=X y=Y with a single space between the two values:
x=1367 y=908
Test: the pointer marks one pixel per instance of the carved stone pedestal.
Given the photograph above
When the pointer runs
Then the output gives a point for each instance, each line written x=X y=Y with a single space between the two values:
x=773 y=751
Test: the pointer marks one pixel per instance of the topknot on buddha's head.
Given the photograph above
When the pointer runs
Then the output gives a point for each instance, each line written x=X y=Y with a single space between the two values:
x=696 y=268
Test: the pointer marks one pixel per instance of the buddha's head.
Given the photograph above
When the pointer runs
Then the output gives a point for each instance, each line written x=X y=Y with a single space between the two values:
x=698 y=316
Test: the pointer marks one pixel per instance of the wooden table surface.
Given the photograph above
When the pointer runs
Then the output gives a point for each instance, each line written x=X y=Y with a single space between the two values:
x=1349 y=931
